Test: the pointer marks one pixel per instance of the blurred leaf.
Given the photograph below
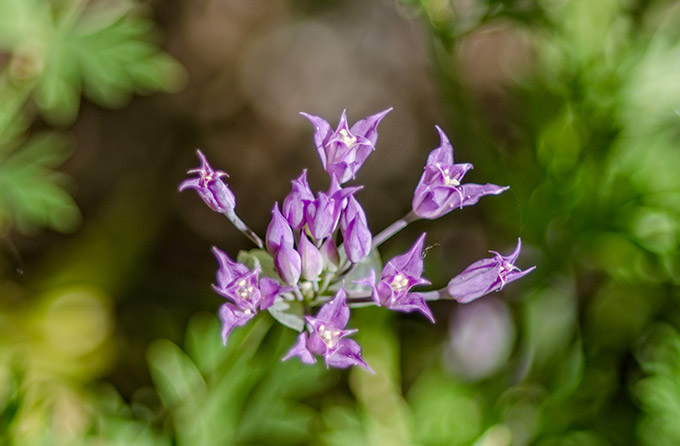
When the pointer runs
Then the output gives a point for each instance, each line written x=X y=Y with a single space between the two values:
x=31 y=193
x=360 y=271
x=659 y=391
x=176 y=377
x=445 y=412
x=259 y=257
x=289 y=313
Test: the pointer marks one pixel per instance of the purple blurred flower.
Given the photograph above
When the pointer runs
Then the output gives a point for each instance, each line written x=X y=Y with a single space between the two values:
x=210 y=187
x=439 y=190
x=247 y=294
x=345 y=150
x=486 y=275
x=293 y=208
x=327 y=337
x=399 y=275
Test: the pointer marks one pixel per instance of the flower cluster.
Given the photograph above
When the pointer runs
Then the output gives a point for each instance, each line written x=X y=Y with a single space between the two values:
x=315 y=243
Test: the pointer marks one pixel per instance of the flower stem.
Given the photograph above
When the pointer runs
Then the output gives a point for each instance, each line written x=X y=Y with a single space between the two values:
x=442 y=294
x=233 y=218
x=394 y=228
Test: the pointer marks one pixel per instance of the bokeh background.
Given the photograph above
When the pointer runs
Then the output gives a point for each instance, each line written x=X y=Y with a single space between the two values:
x=108 y=333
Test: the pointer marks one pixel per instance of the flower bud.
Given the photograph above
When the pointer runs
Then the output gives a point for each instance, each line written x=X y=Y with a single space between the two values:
x=210 y=187
x=358 y=240
x=330 y=255
x=486 y=275
x=293 y=208
x=279 y=232
x=288 y=264
x=310 y=256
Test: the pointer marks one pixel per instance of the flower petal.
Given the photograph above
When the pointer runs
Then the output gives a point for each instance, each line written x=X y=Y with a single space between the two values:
x=300 y=350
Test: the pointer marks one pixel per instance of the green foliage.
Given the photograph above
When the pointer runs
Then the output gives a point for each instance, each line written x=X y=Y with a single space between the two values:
x=31 y=193
x=241 y=394
x=659 y=391
x=58 y=51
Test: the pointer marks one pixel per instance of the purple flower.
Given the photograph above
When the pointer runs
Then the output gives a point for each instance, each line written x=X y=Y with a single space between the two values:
x=288 y=264
x=279 y=232
x=294 y=204
x=345 y=150
x=327 y=337
x=247 y=294
x=486 y=275
x=357 y=237
x=210 y=187
x=399 y=275
x=330 y=254
x=312 y=263
x=323 y=213
x=439 y=190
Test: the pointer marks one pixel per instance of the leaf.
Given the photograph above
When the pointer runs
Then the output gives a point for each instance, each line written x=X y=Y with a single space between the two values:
x=362 y=270
x=289 y=313
x=176 y=377
x=32 y=194
x=259 y=257
x=118 y=59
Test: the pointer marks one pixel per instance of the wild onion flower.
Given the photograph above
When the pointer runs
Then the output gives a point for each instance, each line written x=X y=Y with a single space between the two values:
x=210 y=187
x=345 y=150
x=487 y=275
x=401 y=274
x=440 y=190
x=327 y=337
x=321 y=250
x=246 y=293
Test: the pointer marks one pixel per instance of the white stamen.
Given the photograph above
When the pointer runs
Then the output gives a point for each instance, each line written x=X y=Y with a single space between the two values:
x=399 y=283
x=347 y=138
x=329 y=337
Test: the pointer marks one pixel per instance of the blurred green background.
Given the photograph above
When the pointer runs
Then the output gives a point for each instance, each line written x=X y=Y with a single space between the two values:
x=108 y=333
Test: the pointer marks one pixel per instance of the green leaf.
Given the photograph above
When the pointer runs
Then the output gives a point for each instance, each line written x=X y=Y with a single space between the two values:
x=259 y=257
x=31 y=194
x=362 y=269
x=289 y=314
x=176 y=377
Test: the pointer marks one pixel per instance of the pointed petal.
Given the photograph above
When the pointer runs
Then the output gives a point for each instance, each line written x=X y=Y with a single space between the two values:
x=335 y=312
x=191 y=183
x=346 y=354
x=411 y=262
x=300 y=350
x=368 y=127
x=322 y=133
x=228 y=269
x=231 y=316
x=270 y=289
x=514 y=275
x=412 y=302
x=512 y=258
x=471 y=193
x=442 y=154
